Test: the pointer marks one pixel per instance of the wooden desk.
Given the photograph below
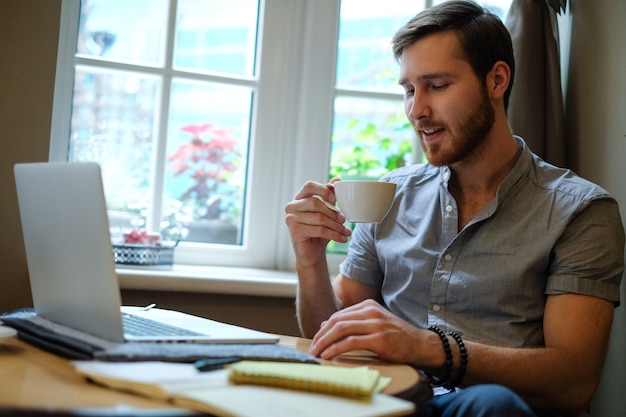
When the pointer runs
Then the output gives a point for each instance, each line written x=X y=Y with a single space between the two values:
x=36 y=380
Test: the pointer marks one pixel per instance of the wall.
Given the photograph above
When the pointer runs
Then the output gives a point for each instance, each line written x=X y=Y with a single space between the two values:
x=28 y=46
x=596 y=124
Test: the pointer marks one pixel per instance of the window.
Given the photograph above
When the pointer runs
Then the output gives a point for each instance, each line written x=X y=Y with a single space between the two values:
x=207 y=116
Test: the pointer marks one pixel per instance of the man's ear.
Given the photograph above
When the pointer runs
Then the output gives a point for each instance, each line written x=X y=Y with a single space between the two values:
x=498 y=79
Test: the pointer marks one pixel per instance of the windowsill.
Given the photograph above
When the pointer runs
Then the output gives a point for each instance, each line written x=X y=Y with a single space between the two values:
x=222 y=280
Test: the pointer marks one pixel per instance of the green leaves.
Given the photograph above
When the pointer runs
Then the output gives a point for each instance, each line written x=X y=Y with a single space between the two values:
x=367 y=151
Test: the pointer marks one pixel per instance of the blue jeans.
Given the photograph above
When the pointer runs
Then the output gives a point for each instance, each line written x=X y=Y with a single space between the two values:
x=477 y=401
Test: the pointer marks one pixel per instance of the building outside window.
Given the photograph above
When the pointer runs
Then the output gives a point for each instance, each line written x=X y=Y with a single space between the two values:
x=206 y=116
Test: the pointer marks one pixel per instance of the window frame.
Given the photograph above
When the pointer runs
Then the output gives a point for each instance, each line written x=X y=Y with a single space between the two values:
x=302 y=109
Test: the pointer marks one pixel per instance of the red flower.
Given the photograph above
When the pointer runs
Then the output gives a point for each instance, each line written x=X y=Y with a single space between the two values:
x=197 y=130
x=207 y=156
x=142 y=237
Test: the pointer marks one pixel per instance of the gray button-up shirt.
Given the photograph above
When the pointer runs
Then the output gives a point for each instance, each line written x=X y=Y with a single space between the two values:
x=546 y=232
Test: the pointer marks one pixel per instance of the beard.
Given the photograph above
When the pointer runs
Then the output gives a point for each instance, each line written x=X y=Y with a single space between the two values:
x=473 y=131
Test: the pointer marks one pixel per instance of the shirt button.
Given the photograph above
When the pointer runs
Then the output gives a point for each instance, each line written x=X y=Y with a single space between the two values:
x=436 y=308
x=447 y=257
x=448 y=208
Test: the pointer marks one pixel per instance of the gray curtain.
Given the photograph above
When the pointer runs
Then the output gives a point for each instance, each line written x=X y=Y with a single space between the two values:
x=536 y=104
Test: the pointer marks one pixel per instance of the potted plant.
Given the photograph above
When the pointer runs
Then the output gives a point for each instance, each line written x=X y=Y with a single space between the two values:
x=210 y=159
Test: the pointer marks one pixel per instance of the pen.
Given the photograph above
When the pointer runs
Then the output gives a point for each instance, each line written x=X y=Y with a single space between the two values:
x=213 y=364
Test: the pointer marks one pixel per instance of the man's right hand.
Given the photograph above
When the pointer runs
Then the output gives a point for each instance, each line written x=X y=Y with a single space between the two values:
x=312 y=224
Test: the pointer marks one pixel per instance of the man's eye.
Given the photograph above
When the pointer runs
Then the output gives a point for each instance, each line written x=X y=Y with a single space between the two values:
x=439 y=87
x=409 y=91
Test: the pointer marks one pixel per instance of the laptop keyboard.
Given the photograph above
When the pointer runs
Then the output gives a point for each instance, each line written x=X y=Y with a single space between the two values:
x=141 y=326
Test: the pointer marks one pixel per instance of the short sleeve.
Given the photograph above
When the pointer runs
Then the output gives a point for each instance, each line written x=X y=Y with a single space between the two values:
x=362 y=263
x=589 y=257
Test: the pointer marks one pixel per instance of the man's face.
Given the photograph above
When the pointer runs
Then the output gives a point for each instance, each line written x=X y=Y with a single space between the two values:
x=445 y=102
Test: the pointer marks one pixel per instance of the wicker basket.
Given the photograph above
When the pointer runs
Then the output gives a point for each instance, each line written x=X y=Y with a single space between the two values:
x=140 y=255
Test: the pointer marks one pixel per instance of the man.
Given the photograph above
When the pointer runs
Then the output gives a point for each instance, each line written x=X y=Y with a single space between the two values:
x=493 y=271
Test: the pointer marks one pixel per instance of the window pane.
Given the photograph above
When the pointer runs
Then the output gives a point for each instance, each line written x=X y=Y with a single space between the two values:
x=370 y=138
x=217 y=36
x=207 y=154
x=364 y=57
x=112 y=29
x=113 y=124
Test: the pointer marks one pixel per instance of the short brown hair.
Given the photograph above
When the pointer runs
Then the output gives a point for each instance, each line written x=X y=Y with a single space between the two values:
x=484 y=38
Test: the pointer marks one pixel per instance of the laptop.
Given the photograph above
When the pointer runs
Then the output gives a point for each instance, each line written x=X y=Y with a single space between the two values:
x=71 y=267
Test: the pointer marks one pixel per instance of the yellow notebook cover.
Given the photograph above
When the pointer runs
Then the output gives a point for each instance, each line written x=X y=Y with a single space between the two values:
x=358 y=383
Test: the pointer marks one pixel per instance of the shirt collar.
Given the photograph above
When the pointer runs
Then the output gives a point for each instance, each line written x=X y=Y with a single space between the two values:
x=519 y=170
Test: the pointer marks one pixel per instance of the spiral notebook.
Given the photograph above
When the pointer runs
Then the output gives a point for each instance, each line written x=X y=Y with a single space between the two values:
x=71 y=267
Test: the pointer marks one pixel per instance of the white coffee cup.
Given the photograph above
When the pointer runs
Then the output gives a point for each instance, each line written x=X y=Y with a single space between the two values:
x=364 y=201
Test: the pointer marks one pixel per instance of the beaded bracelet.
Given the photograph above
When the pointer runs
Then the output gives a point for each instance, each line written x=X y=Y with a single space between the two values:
x=463 y=367
x=447 y=370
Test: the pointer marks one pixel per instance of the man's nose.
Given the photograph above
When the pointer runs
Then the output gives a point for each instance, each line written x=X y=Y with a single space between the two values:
x=418 y=108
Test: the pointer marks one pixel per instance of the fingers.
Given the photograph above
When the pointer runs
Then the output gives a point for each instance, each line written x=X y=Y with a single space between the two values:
x=369 y=326
x=308 y=217
x=346 y=337
x=357 y=327
x=311 y=188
